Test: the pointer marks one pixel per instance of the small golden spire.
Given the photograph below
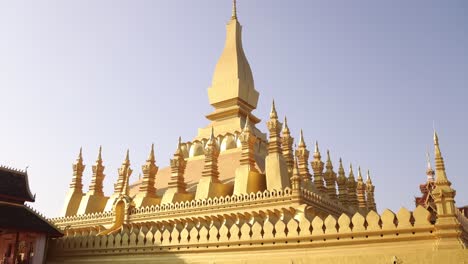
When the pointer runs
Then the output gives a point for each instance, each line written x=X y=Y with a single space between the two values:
x=212 y=138
x=179 y=146
x=317 y=151
x=296 y=178
x=234 y=10
x=285 y=126
x=328 y=156
x=151 y=157
x=273 y=113
x=127 y=158
x=351 y=173
x=99 y=157
x=80 y=155
x=301 y=140
x=368 y=181
x=340 y=168
x=341 y=182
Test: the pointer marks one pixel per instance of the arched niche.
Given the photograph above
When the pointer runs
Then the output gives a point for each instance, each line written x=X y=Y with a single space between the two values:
x=196 y=149
x=229 y=142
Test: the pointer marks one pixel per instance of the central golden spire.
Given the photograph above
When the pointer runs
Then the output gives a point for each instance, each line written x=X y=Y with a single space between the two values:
x=232 y=92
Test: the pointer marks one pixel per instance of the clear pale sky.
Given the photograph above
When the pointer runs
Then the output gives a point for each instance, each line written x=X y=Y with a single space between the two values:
x=367 y=79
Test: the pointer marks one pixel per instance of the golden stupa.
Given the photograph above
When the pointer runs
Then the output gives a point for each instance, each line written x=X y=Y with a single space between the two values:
x=234 y=195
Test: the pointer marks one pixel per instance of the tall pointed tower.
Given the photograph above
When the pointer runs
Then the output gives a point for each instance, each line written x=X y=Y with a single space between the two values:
x=232 y=92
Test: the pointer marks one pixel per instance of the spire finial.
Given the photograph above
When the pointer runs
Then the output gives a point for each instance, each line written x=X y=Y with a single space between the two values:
x=273 y=113
x=316 y=147
x=151 y=157
x=234 y=9
x=436 y=138
x=285 y=124
x=369 y=181
x=328 y=155
x=80 y=155
x=127 y=157
x=359 y=173
x=99 y=157
x=301 y=139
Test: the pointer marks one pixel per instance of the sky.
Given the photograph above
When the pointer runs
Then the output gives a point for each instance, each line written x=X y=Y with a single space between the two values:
x=367 y=79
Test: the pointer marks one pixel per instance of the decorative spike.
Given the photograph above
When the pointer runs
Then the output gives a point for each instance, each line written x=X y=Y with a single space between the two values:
x=359 y=173
x=285 y=126
x=296 y=178
x=178 y=164
x=330 y=178
x=273 y=113
x=99 y=158
x=361 y=193
x=342 y=188
x=212 y=134
x=234 y=10
x=370 y=193
x=287 y=146
x=150 y=170
x=301 y=140
x=78 y=168
x=80 y=156
x=127 y=157
x=317 y=166
x=368 y=180
x=124 y=174
x=151 y=157
x=248 y=139
x=302 y=156
x=98 y=176
x=351 y=189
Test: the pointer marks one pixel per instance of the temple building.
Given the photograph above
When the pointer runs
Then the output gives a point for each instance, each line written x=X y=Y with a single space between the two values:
x=24 y=233
x=236 y=194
